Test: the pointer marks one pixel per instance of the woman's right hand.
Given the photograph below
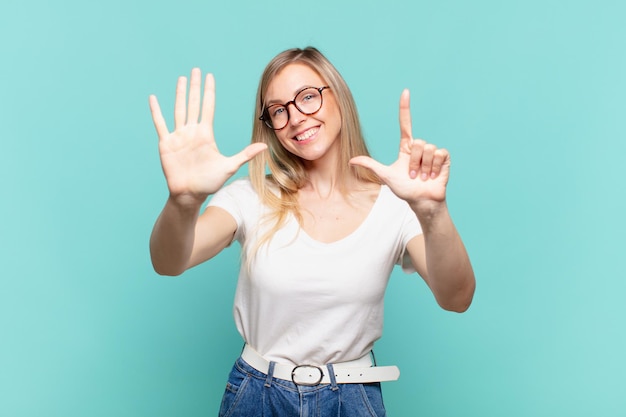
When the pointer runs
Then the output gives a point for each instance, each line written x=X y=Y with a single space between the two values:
x=193 y=166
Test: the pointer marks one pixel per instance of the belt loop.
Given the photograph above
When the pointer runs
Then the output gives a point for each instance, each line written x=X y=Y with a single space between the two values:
x=270 y=374
x=331 y=375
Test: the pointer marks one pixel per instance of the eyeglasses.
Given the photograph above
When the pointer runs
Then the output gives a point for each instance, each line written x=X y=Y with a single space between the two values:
x=308 y=101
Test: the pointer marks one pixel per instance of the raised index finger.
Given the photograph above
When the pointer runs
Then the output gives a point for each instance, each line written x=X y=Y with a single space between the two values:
x=406 y=135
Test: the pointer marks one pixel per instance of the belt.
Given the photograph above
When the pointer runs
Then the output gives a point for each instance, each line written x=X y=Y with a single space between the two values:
x=358 y=371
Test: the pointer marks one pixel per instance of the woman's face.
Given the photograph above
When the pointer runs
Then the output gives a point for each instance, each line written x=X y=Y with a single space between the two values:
x=311 y=137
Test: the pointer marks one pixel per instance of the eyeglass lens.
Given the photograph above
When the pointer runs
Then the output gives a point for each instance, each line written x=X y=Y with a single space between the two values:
x=307 y=101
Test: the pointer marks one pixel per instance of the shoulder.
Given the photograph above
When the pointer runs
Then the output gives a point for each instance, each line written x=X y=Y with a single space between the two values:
x=239 y=185
x=389 y=199
x=235 y=197
x=239 y=189
x=395 y=209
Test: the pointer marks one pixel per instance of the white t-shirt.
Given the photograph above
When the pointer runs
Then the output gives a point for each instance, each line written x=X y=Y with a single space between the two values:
x=308 y=302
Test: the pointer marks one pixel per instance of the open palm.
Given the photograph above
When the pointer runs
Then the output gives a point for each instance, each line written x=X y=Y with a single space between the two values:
x=192 y=163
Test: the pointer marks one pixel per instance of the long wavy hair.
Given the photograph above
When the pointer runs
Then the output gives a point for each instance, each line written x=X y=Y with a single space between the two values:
x=278 y=189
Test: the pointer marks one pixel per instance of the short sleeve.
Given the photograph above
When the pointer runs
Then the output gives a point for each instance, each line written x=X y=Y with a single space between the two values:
x=239 y=199
x=410 y=228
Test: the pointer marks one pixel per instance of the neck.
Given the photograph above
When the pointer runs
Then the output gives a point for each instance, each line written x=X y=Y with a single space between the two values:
x=324 y=176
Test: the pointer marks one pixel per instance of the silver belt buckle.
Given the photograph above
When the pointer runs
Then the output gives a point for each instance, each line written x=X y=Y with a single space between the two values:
x=307 y=375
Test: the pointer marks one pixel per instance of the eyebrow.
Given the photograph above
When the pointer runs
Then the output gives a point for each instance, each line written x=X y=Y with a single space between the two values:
x=272 y=102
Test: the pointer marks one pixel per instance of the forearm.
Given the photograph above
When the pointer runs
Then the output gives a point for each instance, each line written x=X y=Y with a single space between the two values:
x=172 y=239
x=449 y=271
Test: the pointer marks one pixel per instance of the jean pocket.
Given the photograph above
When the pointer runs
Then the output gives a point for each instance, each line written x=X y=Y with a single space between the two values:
x=235 y=387
x=373 y=399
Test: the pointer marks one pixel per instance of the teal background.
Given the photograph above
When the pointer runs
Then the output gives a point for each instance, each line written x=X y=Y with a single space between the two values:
x=528 y=96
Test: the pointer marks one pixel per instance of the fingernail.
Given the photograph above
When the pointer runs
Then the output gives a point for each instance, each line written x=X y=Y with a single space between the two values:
x=413 y=174
x=433 y=175
x=424 y=176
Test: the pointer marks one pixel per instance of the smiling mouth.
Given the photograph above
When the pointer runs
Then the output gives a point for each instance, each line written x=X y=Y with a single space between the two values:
x=306 y=135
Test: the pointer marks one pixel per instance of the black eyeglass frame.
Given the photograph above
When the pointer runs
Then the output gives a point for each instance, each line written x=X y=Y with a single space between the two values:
x=265 y=118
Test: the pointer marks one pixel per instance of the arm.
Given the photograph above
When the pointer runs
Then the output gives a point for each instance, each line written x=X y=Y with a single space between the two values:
x=194 y=169
x=182 y=239
x=420 y=176
x=440 y=257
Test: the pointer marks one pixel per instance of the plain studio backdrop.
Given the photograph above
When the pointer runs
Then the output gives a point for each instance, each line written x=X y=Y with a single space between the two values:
x=528 y=96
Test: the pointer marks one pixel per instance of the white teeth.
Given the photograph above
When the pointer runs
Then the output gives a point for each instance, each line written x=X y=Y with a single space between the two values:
x=307 y=134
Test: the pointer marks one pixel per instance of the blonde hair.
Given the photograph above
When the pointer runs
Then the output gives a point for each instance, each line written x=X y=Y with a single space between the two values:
x=279 y=189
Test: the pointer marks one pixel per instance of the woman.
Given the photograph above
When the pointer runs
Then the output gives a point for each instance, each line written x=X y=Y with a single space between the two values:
x=320 y=235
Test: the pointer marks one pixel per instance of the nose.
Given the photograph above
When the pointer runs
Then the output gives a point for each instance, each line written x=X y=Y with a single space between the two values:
x=295 y=116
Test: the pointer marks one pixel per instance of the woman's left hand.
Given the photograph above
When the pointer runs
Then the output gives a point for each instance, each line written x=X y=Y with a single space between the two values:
x=420 y=174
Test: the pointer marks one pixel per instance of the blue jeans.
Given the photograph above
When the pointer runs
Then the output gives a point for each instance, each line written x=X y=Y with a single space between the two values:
x=250 y=393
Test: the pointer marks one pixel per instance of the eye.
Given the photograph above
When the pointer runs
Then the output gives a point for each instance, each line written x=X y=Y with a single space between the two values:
x=277 y=111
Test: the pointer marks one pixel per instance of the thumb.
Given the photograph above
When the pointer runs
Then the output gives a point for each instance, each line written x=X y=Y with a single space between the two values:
x=369 y=163
x=248 y=153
